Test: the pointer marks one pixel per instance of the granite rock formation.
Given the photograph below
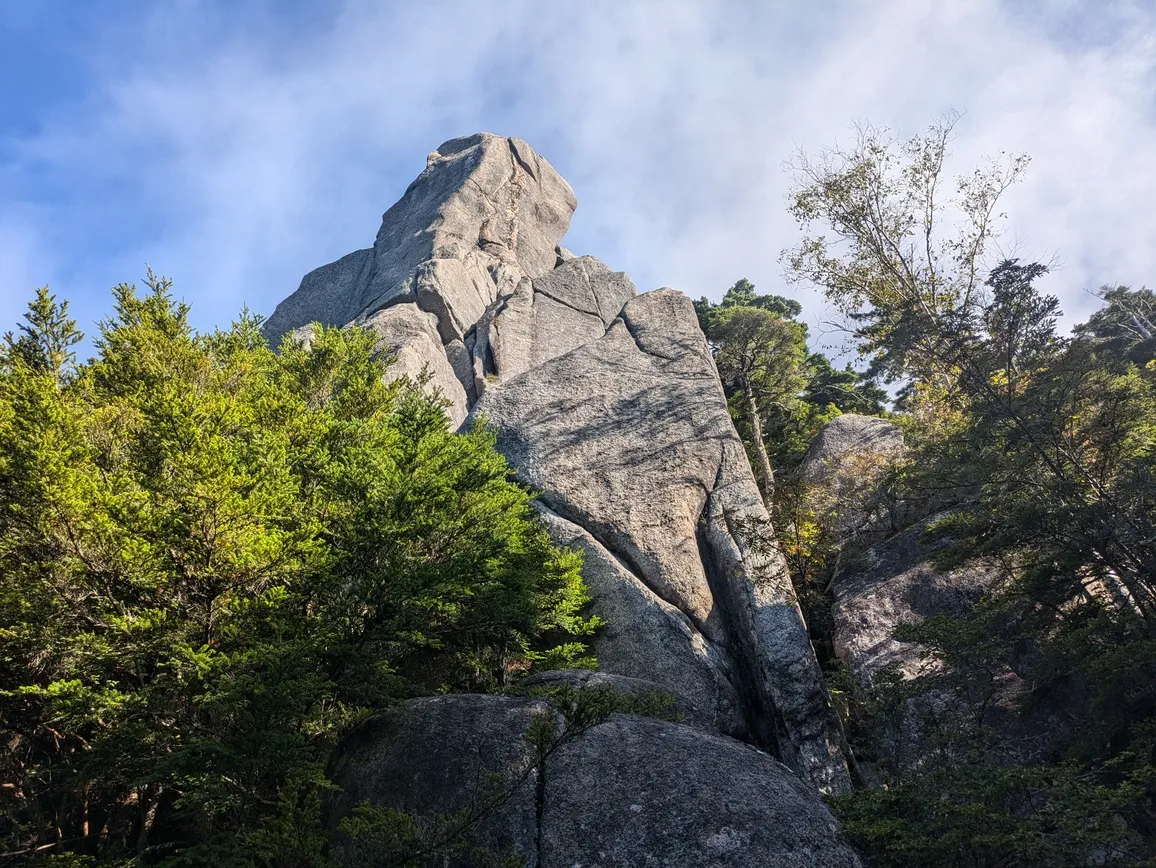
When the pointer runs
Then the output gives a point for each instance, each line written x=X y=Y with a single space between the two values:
x=608 y=403
x=847 y=464
x=630 y=791
x=900 y=583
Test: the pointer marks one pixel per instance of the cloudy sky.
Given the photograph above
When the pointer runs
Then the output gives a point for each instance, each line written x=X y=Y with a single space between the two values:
x=235 y=145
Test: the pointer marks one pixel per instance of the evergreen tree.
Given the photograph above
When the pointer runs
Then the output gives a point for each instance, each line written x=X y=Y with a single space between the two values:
x=215 y=558
x=780 y=394
x=1050 y=455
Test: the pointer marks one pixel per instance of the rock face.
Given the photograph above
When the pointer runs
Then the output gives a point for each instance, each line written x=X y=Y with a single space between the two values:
x=608 y=403
x=631 y=791
x=410 y=336
x=845 y=464
x=900 y=584
x=582 y=679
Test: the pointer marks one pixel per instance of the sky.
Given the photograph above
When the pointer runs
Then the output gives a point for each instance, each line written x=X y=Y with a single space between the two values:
x=235 y=145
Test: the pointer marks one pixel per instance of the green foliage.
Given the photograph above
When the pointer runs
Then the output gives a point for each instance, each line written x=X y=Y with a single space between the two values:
x=743 y=294
x=214 y=558
x=46 y=341
x=1049 y=455
x=1126 y=325
x=971 y=812
x=779 y=394
x=847 y=390
x=882 y=250
x=1028 y=740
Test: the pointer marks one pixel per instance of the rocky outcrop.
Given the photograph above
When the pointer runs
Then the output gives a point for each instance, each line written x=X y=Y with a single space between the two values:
x=844 y=469
x=677 y=708
x=630 y=791
x=896 y=581
x=409 y=336
x=629 y=440
x=899 y=583
x=608 y=404
x=486 y=213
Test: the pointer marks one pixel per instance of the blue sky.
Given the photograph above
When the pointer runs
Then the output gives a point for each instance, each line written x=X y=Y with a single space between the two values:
x=236 y=145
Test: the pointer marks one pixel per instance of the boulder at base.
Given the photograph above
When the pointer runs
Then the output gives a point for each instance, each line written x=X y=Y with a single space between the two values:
x=631 y=791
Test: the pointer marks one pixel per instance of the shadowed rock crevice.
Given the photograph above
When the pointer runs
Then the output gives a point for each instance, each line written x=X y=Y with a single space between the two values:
x=764 y=727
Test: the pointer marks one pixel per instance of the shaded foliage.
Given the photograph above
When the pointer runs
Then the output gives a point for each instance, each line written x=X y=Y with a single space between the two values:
x=1043 y=750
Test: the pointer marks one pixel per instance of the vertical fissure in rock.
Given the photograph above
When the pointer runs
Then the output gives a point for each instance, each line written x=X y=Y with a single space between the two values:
x=515 y=195
x=539 y=811
x=518 y=159
x=625 y=560
x=766 y=728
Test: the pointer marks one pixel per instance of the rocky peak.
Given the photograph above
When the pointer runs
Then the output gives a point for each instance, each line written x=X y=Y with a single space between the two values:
x=609 y=404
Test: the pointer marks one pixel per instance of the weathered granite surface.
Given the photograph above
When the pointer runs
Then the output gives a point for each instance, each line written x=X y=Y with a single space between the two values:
x=846 y=465
x=628 y=792
x=609 y=404
x=900 y=583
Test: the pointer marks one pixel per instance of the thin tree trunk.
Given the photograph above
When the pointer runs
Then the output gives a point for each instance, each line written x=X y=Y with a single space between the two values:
x=767 y=472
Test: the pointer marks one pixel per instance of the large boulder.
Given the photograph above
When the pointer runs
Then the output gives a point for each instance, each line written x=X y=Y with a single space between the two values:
x=608 y=404
x=628 y=792
x=900 y=583
x=675 y=707
x=844 y=470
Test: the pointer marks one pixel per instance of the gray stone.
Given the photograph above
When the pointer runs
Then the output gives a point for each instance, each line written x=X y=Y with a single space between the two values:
x=587 y=285
x=846 y=435
x=630 y=791
x=482 y=202
x=686 y=712
x=624 y=451
x=628 y=439
x=637 y=791
x=325 y=296
x=410 y=337
x=609 y=404
x=845 y=467
x=900 y=584
x=548 y=317
x=437 y=755
x=649 y=639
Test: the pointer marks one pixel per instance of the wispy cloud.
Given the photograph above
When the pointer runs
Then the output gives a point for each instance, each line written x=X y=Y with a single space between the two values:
x=236 y=148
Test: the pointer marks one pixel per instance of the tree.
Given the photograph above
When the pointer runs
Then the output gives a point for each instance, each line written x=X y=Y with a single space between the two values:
x=761 y=356
x=214 y=558
x=761 y=353
x=46 y=341
x=780 y=394
x=1051 y=462
x=892 y=265
x=1125 y=325
x=847 y=389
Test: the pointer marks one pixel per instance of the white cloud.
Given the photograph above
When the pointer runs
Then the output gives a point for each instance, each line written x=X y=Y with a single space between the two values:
x=246 y=156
